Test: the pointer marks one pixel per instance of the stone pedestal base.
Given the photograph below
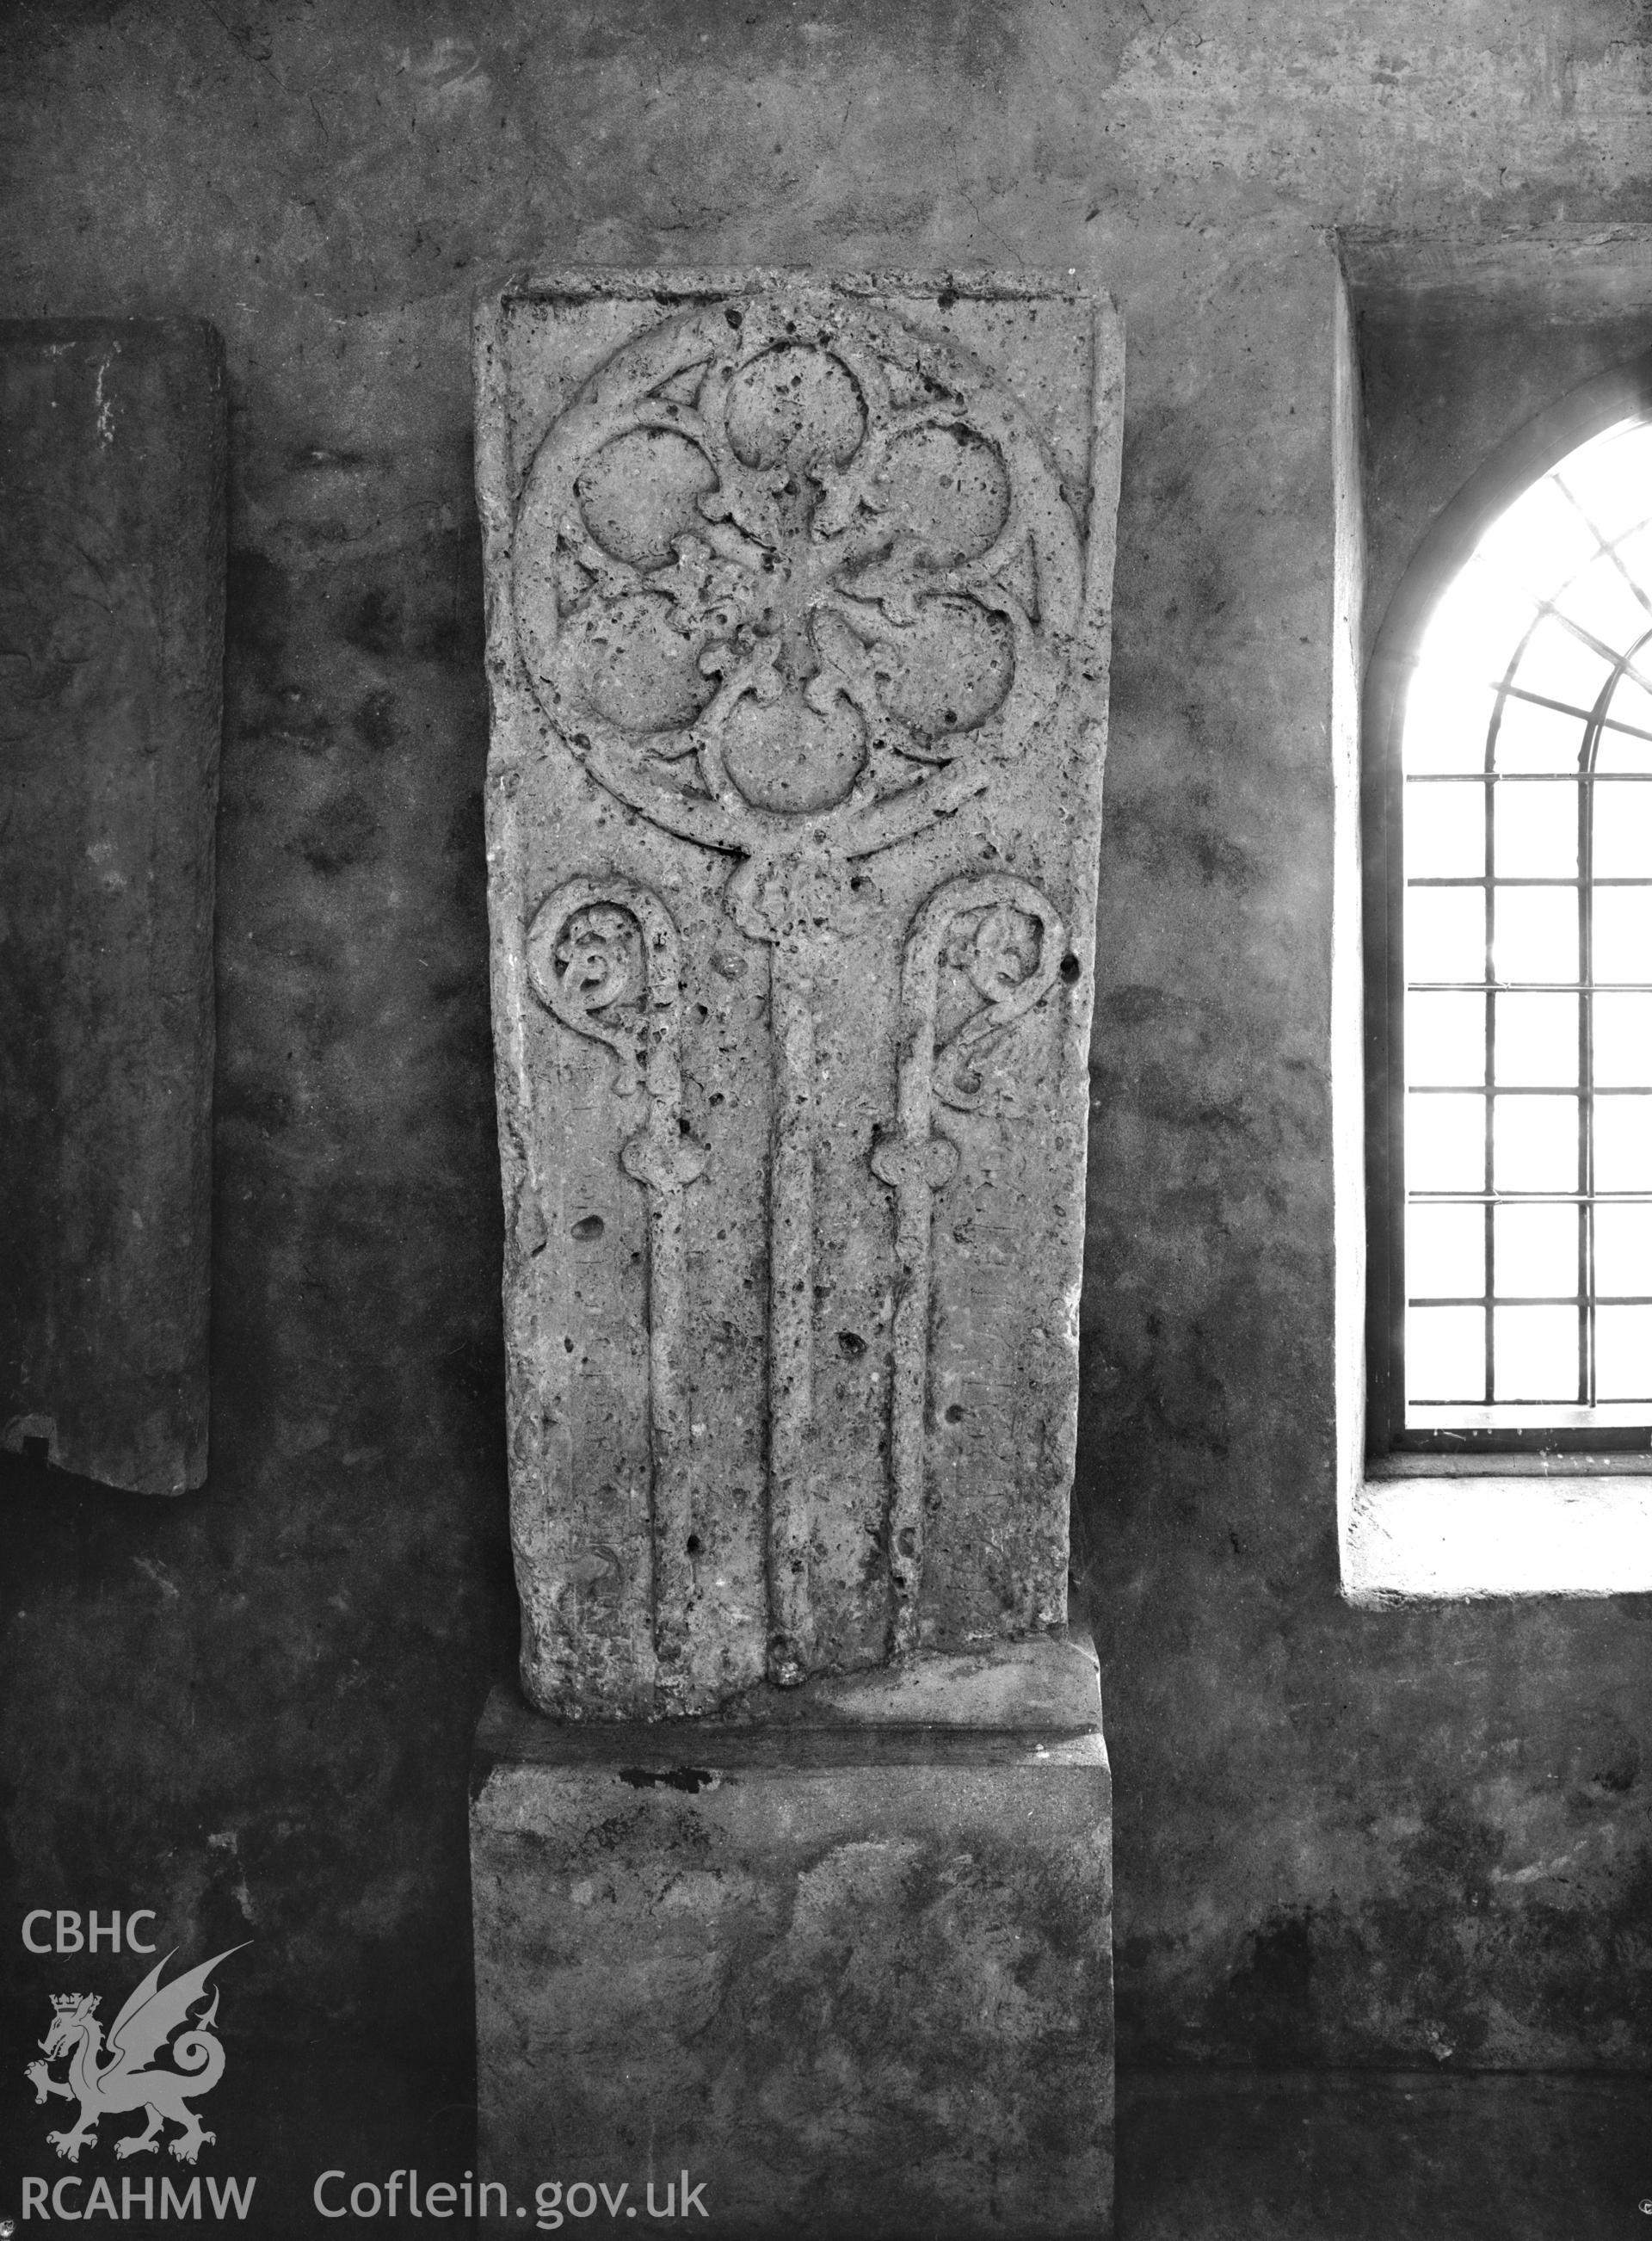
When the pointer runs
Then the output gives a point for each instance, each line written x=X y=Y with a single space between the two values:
x=851 y=1979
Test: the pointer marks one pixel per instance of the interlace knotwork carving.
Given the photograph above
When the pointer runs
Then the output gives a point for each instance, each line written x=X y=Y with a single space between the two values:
x=1000 y=942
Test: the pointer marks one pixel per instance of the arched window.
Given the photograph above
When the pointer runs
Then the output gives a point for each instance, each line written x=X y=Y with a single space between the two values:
x=1512 y=1248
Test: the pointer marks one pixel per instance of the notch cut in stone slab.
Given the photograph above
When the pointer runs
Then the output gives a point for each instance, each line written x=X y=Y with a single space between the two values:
x=798 y=595
x=112 y=455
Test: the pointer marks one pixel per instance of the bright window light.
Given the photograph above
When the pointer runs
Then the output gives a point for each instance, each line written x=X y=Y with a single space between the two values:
x=1527 y=850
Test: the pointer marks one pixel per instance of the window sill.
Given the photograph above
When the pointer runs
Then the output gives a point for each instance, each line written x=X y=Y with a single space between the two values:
x=1453 y=1535
x=1599 y=1462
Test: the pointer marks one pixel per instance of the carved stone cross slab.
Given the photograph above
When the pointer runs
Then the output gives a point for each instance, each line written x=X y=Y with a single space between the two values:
x=797 y=629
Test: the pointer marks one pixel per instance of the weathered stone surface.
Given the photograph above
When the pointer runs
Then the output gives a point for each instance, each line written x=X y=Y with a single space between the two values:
x=798 y=605
x=111 y=636
x=857 y=1981
x=1323 y=1801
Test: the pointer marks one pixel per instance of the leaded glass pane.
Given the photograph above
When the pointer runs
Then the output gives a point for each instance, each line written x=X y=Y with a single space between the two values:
x=1444 y=1038
x=1536 y=1041
x=1446 y=836
x=1446 y=1353
x=1630 y=707
x=1535 y=1143
x=1540 y=541
x=1444 y=1252
x=1603 y=601
x=1623 y=1353
x=1607 y=482
x=1622 y=835
x=1623 y=1251
x=1446 y=722
x=1623 y=1144
x=1558 y=665
x=1476 y=625
x=1532 y=737
x=1535 y=1354
x=1445 y=933
x=1636 y=552
x=1623 y=934
x=1622 y=1041
x=1445 y=1142
x=1535 y=831
x=1535 y=1251
x=1535 y=935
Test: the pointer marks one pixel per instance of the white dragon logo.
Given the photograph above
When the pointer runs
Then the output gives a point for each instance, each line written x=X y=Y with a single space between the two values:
x=125 y=2082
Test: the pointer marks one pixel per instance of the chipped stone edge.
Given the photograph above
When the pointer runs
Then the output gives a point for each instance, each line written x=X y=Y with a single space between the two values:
x=638 y=282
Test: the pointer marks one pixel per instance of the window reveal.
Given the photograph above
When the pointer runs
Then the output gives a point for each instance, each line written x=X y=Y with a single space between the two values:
x=1527 y=976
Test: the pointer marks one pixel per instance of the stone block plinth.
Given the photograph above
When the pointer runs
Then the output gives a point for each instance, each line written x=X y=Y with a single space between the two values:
x=852 y=1980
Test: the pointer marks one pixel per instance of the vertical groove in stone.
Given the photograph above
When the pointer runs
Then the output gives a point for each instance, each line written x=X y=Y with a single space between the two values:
x=791 y=1372
x=605 y=958
x=917 y=1164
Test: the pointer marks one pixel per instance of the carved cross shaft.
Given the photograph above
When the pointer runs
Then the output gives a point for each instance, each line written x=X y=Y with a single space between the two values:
x=605 y=958
x=793 y=582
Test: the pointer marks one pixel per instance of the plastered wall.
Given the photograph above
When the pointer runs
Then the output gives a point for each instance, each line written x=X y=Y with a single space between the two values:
x=1364 y=1838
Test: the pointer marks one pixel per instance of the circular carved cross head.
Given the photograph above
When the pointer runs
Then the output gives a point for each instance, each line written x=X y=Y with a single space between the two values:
x=789 y=575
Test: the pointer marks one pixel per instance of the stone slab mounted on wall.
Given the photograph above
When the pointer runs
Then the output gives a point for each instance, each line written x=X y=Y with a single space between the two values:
x=112 y=450
x=799 y=599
